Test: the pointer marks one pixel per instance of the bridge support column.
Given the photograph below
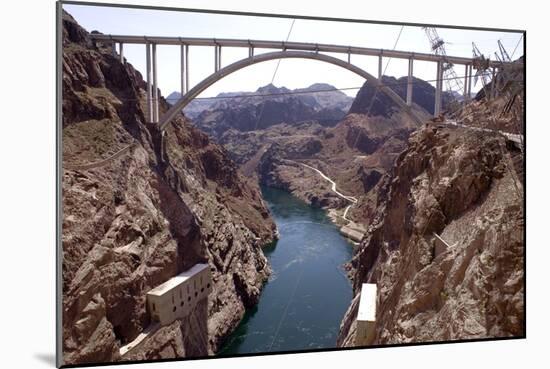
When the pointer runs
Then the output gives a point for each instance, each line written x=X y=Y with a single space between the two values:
x=250 y=51
x=469 y=81
x=493 y=83
x=466 y=81
x=497 y=83
x=380 y=68
x=410 y=83
x=155 y=87
x=184 y=69
x=217 y=57
x=438 y=87
x=149 y=90
x=121 y=52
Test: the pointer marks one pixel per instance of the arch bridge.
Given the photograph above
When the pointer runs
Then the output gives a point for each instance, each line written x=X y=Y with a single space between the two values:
x=286 y=50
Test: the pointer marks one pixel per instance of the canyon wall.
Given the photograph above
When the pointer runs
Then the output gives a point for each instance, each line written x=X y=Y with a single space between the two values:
x=145 y=215
x=466 y=186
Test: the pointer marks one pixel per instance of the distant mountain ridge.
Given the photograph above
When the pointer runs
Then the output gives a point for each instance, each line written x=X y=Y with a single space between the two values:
x=328 y=98
x=268 y=105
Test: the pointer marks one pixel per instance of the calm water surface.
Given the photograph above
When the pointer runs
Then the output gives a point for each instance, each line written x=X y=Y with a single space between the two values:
x=303 y=302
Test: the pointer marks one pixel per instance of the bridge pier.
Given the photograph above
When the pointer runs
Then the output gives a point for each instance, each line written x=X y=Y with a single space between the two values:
x=184 y=63
x=380 y=67
x=469 y=81
x=466 y=82
x=250 y=51
x=155 y=87
x=493 y=80
x=149 y=89
x=438 y=88
x=217 y=57
x=121 y=52
x=495 y=84
x=410 y=83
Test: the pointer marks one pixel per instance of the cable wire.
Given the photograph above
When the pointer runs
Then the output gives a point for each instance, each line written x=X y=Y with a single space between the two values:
x=376 y=90
x=513 y=52
x=274 y=74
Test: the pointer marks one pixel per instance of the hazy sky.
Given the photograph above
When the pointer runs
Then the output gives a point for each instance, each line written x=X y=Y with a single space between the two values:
x=292 y=73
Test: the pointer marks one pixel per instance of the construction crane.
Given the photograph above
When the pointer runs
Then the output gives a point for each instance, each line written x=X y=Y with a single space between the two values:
x=453 y=82
x=481 y=65
x=499 y=80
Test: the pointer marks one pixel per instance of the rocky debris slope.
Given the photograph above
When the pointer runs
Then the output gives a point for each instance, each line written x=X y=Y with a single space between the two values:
x=146 y=216
x=509 y=113
x=462 y=185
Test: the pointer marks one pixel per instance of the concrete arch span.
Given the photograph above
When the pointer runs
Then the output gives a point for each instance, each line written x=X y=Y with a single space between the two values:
x=213 y=78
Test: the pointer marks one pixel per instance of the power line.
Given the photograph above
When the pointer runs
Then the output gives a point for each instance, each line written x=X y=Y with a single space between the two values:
x=273 y=77
x=316 y=91
x=513 y=52
x=308 y=91
x=376 y=90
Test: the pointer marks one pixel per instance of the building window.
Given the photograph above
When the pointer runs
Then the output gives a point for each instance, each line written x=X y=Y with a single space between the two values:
x=174 y=309
x=208 y=285
x=189 y=298
x=181 y=304
x=154 y=307
x=202 y=289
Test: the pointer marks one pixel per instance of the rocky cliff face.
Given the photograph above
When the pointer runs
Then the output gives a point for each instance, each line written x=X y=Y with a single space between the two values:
x=145 y=214
x=423 y=97
x=464 y=186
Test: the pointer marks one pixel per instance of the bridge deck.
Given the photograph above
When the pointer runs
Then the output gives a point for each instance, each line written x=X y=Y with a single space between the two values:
x=304 y=46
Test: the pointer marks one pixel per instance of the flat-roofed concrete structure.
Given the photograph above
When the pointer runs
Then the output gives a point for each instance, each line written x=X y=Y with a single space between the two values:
x=175 y=298
x=366 y=315
x=351 y=233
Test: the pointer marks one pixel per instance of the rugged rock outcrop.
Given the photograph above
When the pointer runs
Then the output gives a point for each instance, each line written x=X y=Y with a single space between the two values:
x=144 y=216
x=423 y=96
x=460 y=184
x=354 y=153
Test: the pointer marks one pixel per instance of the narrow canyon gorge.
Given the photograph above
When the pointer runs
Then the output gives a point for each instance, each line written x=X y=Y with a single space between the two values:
x=283 y=196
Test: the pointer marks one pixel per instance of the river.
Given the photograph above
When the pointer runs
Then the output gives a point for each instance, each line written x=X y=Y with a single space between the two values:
x=304 y=301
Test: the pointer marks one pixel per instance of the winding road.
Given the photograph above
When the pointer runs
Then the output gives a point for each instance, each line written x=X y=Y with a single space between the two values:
x=352 y=199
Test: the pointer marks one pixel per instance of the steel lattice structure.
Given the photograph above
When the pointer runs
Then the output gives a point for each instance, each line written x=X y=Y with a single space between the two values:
x=454 y=83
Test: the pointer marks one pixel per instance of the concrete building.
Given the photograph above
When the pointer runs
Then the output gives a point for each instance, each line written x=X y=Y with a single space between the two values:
x=353 y=231
x=175 y=298
x=366 y=315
